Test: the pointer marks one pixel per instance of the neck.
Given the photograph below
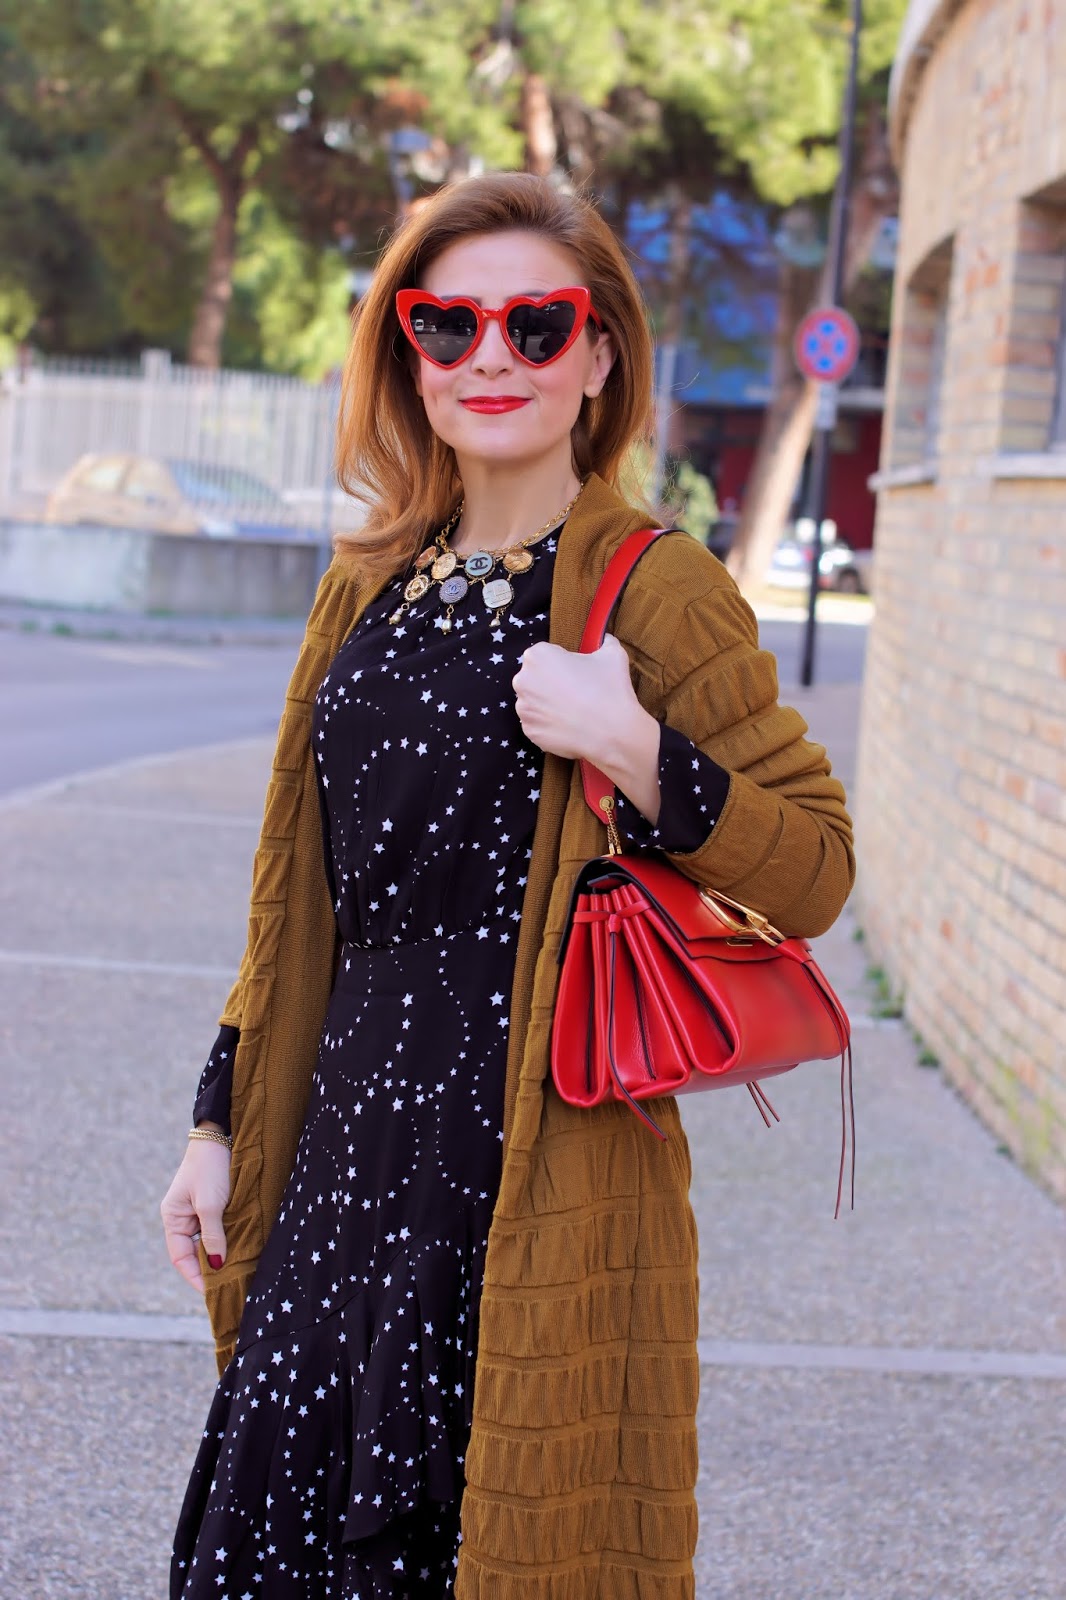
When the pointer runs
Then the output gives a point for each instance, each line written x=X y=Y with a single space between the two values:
x=504 y=504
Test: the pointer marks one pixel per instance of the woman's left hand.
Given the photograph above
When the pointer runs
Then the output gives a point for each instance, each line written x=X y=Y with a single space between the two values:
x=575 y=705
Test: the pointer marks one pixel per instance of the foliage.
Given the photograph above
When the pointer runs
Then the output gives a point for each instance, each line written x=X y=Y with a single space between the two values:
x=290 y=310
x=124 y=124
x=689 y=501
x=686 y=496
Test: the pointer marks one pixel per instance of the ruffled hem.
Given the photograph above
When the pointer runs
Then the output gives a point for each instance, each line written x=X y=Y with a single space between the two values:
x=371 y=1407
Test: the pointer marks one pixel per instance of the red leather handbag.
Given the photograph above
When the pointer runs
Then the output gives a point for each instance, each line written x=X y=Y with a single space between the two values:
x=667 y=987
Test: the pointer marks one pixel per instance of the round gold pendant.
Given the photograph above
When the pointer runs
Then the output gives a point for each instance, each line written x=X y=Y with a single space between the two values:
x=445 y=565
x=518 y=560
x=497 y=593
x=416 y=588
x=429 y=554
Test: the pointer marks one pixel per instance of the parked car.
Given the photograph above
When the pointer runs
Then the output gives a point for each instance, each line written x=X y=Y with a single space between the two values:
x=839 y=567
x=849 y=570
x=124 y=490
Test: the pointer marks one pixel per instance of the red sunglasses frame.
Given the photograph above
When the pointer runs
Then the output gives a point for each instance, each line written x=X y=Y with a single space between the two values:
x=578 y=296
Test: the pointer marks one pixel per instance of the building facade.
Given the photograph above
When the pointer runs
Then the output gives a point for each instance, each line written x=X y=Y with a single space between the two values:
x=961 y=797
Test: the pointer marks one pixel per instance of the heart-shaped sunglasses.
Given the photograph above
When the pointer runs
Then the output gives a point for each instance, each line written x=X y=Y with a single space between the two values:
x=538 y=331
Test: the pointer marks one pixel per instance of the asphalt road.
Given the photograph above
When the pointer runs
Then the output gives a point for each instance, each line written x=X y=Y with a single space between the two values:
x=74 y=705
x=840 y=649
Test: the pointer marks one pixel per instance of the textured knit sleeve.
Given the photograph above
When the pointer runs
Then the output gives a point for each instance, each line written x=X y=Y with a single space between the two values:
x=782 y=841
x=214 y=1091
x=692 y=792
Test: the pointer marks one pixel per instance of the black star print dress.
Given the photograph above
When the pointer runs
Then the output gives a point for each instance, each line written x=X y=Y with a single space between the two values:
x=331 y=1464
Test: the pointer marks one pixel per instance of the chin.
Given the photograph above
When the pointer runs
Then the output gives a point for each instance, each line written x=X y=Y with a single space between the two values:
x=503 y=444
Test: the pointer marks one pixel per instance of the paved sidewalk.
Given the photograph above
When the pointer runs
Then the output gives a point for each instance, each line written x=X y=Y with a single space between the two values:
x=882 y=1396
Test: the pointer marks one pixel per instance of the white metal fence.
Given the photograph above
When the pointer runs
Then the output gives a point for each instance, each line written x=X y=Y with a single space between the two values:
x=269 y=439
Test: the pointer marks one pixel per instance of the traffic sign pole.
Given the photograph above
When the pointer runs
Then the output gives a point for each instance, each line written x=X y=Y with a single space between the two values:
x=820 y=337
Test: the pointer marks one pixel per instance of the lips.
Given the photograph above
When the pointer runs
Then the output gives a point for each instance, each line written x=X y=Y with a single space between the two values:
x=492 y=404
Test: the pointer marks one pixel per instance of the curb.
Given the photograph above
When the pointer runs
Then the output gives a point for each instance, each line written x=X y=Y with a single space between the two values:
x=36 y=792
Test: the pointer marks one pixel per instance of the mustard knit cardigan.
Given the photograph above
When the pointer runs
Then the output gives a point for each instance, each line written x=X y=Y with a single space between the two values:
x=581 y=1463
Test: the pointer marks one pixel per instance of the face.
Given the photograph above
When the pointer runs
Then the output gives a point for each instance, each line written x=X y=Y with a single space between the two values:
x=489 y=269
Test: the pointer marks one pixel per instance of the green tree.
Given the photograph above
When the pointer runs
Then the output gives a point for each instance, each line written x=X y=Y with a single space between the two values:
x=141 y=88
x=664 y=103
x=191 y=135
x=52 y=278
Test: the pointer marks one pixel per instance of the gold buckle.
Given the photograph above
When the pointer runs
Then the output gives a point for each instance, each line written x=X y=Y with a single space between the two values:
x=754 y=922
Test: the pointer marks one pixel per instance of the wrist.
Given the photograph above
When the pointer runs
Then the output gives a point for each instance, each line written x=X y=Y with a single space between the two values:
x=209 y=1133
x=629 y=745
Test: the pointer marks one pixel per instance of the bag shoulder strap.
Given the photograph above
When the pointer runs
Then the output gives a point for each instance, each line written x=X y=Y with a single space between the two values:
x=597 y=786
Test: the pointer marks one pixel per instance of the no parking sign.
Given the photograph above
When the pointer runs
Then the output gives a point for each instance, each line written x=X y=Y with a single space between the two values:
x=826 y=345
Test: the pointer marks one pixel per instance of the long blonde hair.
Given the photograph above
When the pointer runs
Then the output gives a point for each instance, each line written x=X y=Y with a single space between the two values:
x=388 y=456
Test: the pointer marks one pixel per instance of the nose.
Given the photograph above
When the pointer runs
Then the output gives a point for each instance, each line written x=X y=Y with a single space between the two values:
x=493 y=354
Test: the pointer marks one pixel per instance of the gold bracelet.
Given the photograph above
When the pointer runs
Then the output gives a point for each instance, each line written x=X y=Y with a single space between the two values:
x=212 y=1133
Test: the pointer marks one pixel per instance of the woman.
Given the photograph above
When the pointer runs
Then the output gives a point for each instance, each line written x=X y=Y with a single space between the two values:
x=455 y=1316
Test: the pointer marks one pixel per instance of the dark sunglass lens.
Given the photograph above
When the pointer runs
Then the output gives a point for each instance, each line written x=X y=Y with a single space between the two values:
x=443 y=333
x=540 y=332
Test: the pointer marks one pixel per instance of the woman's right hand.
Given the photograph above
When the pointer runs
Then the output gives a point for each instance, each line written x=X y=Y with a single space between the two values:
x=193 y=1205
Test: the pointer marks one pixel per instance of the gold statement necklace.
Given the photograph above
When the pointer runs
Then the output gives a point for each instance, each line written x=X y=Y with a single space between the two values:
x=438 y=563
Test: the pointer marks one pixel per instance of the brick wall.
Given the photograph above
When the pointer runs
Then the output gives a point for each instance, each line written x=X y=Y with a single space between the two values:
x=961 y=794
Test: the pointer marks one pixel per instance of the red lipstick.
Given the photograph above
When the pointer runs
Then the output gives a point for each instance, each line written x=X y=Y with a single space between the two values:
x=492 y=404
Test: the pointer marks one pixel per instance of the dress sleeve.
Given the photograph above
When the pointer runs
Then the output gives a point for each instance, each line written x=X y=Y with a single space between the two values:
x=692 y=788
x=215 y=1088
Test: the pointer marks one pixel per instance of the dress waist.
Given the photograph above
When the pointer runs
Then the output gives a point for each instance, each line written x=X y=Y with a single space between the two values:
x=370 y=967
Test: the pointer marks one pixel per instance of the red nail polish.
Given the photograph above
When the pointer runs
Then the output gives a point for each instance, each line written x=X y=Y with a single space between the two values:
x=215 y=1262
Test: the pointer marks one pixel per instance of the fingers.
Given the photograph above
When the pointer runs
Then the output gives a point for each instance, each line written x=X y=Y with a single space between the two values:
x=181 y=1230
x=184 y=1255
x=212 y=1235
x=192 y=1214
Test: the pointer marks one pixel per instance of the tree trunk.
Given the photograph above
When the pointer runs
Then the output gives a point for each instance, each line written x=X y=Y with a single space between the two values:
x=789 y=420
x=209 y=323
x=783 y=439
x=671 y=328
x=538 y=125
